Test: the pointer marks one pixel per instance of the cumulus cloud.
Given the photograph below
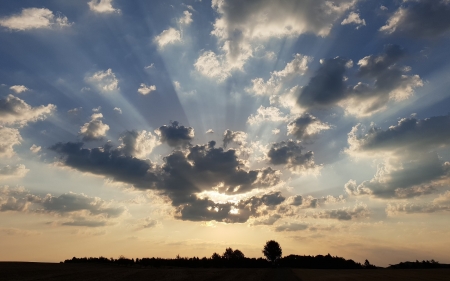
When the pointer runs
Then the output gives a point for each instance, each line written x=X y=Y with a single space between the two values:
x=212 y=66
x=35 y=149
x=410 y=135
x=9 y=137
x=238 y=137
x=102 y=6
x=241 y=22
x=94 y=129
x=80 y=209
x=186 y=19
x=175 y=135
x=353 y=18
x=75 y=111
x=16 y=171
x=137 y=143
x=34 y=18
x=118 y=110
x=391 y=82
x=441 y=203
x=289 y=153
x=306 y=127
x=309 y=202
x=145 y=89
x=420 y=18
x=210 y=131
x=344 y=214
x=267 y=114
x=168 y=36
x=18 y=89
x=298 y=66
x=15 y=111
x=181 y=177
x=104 y=81
x=266 y=220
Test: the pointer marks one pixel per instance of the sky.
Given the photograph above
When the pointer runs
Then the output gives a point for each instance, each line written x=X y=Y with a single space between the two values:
x=158 y=128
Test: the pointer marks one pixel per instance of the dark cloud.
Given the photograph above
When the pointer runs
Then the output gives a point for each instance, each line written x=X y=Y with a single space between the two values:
x=79 y=208
x=289 y=153
x=327 y=87
x=206 y=210
x=410 y=135
x=175 y=135
x=238 y=137
x=306 y=127
x=15 y=111
x=183 y=174
x=420 y=18
x=385 y=81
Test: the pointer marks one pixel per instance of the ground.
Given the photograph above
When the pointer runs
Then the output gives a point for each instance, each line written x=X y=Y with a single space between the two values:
x=15 y=271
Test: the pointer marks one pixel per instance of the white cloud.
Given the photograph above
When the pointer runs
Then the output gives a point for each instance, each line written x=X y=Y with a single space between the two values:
x=9 y=137
x=210 y=131
x=35 y=149
x=168 y=36
x=298 y=66
x=33 y=18
x=102 y=6
x=104 y=81
x=355 y=19
x=17 y=171
x=264 y=114
x=241 y=23
x=212 y=66
x=96 y=109
x=15 y=111
x=145 y=89
x=94 y=129
x=18 y=89
x=138 y=143
x=118 y=110
x=186 y=19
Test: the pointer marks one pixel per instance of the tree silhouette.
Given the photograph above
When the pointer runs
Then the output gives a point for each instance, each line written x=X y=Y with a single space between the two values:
x=272 y=250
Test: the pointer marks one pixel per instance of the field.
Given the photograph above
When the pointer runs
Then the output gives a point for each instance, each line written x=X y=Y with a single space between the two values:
x=50 y=271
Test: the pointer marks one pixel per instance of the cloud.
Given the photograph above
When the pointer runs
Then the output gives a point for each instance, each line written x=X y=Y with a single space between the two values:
x=306 y=127
x=17 y=171
x=18 y=89
x=34 y=18
x=104 y=81
x=237 y=137
x=344 y=214
x=353 y=18
x=298 y=66
x=102 y=6
x=175 y=135
x=186 y=19
x=328 y=87
x=440 y=204
x=181 y=177
x=404 y=178
x=308 y=202
x=241 y=22
x=118 y=110
x=267 y=220
x=420 y=19
x=289 y=153
x=291 y=227
x=212 y=66
x=137 y=143
x=267 y=114
x=168 y=36
x=94 y=129
x=147 y=223
x=9 y=137
x=75 y=111
x=35 y=149
x=15 y=111
x=410 y=135
x=80 y=209
x=145 y=90
x=210 y=131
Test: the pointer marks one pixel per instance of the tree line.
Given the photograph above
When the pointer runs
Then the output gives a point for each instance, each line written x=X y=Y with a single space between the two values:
x=235 y=259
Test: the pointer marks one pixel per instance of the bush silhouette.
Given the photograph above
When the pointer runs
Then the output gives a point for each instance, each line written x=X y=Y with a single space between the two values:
x=272 y=251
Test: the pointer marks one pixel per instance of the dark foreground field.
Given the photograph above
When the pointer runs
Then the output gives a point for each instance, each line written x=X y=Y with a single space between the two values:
x=49 y=271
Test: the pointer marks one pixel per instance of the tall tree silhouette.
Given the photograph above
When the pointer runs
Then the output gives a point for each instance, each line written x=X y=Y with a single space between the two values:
x=272 y=250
